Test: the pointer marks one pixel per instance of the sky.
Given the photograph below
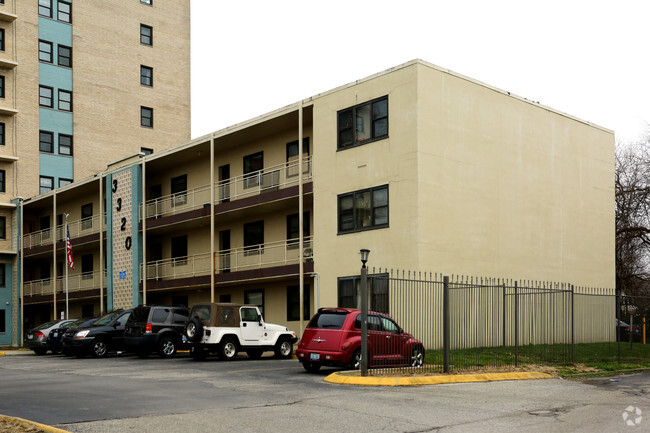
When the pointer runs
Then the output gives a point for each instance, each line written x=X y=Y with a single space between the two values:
x=585 y=58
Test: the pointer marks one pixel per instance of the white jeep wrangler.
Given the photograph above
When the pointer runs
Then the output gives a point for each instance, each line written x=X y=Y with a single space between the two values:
x=225 y=329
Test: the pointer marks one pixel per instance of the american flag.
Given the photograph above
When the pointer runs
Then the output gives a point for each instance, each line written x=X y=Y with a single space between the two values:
x=68 y=248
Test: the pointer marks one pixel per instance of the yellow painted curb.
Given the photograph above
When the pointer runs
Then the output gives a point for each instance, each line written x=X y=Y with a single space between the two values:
x=27 y=423
x=2 y=354
x=432 y=380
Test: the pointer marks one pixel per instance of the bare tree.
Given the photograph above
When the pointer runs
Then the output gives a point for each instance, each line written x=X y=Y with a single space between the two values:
x=632 y=189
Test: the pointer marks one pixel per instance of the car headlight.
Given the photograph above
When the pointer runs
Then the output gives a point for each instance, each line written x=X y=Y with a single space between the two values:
x=82 y=334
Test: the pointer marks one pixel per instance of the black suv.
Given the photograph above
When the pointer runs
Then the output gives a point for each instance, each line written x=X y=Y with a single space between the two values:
x=156 y=328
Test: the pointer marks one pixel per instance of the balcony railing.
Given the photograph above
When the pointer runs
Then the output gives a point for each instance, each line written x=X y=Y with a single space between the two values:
x=76 y=283
x=78 y=228
x=236 y=259
x=269 y=179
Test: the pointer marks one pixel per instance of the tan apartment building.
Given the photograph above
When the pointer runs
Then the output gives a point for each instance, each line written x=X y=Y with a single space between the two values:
x=428 y=169
x=82 y=83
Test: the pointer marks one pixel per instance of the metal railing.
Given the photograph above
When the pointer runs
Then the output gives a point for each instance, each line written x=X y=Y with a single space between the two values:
x=77 y=228
x=235 y=259
x=76 y=283
x=251 y=184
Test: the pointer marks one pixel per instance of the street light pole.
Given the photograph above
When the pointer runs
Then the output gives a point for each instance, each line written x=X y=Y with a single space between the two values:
x=364 y=312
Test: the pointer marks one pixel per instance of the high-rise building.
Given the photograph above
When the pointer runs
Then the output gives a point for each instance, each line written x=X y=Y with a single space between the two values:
x=84 y=83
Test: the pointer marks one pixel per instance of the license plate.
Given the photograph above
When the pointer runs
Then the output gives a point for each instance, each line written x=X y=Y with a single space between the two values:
x=30 y=336
x=314 y=356
x=55 y=334
x=184 y=339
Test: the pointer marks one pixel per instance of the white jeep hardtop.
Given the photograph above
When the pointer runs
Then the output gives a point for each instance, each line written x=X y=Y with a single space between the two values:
x=226 y=328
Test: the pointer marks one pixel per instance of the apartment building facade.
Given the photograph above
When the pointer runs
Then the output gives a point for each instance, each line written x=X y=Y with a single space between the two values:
x=81 y=84
x=428 y=169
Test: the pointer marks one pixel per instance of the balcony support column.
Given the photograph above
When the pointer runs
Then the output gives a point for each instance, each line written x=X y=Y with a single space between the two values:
x=143 y=213
x=301 y=234
x=212 y=252
x=53 y=234
x=101 y=244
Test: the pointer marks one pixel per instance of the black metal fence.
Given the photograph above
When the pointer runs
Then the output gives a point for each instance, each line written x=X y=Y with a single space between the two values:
x=466 y=323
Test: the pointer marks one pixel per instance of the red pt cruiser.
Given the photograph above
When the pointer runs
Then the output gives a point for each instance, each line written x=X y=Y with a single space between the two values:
x=333 y=338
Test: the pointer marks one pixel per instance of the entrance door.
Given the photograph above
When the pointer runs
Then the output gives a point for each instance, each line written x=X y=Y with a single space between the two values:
x=224 y=251
x=224 y=183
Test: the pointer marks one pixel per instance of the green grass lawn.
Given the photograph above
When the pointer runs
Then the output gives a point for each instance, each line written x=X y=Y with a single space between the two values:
x=598 y=356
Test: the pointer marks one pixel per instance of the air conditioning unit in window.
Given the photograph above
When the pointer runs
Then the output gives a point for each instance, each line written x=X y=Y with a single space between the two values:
x=308 y=255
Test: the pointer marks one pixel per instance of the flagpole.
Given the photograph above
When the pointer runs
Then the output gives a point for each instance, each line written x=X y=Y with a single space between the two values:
x=66 y=266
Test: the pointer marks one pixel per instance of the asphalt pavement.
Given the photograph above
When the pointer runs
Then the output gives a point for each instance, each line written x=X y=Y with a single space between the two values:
x=127 y=394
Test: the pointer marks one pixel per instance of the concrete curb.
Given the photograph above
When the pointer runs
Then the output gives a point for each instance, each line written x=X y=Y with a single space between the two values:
x=15 y=352
x=431 y=380
x=29 y=424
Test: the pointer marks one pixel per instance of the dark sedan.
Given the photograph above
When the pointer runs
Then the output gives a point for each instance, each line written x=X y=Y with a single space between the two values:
x=104 y=335
x=55 y=338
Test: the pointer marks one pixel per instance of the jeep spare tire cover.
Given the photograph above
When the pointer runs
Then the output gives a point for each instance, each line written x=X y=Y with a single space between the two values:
x=194 y=330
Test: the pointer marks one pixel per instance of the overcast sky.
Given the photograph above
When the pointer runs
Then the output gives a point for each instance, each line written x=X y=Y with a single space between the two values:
x=589 y=59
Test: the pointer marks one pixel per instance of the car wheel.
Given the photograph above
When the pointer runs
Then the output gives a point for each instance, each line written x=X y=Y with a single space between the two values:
x=197 y=353
x=40 y=351
x=254 y=353
x=311 y=367
x=283 y=349
x=417 y=357
x=194 y=330
x=99 y=348
x=355 y=362
x=167 y=347
x=228 y=349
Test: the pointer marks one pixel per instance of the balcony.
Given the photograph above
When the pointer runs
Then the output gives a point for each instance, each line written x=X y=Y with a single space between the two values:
x=76 y=283
x=251 y=184
x=83 y=227
x=227 y=261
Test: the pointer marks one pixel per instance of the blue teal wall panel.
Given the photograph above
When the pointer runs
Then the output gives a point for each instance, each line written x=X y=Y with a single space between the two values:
x=7 y=302
x=109 y=243
x=54 y=76
x=56 y=166
x=136 y=201
x=54 y=31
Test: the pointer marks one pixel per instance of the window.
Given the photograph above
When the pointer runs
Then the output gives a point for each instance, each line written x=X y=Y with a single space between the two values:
x=292 y=157
x=87 y=267
x=2 y=39
x=363 y=123
x=293 y=303
x=179 y=190
x=146 y=35
x=179 y=250
x=64 y=182
x=349 y=292
x=3 y=139
x=146 y=76
x=2 y=86
x=87 y=216
x=147 y=2
x=253 y=238
x=45 y=8
x=146 y=117
x=64 y=11
x=3 y=320
x=46 y=141
x=65 y=100
x=65 y=144
x=363 y=210
x=64 y=56
x=292 y=229
x=45 y=96
x=255 y=297
x=3 y=186
x=3 y=228
x=45 y=51
x=253 y=165
x=146 y=150
x=46 y=184
x=87 y=310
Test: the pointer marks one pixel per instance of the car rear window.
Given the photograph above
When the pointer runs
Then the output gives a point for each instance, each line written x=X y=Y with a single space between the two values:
x=159 y=315
x=202 y=312
x=139 y=314
x=328 y=319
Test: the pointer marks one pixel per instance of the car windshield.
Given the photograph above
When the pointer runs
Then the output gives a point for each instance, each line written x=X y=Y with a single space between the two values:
x=108 y=318
x=46 y=325
x=328 y=319
x=76 y=323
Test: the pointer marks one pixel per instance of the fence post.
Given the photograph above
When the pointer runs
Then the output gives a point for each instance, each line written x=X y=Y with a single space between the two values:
x=516 y=325
x=618 y=328
x=573 y=342
x=446 y=334
x=504 y=315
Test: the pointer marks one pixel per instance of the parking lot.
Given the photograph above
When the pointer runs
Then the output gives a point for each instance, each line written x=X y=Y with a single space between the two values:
x=124 y=393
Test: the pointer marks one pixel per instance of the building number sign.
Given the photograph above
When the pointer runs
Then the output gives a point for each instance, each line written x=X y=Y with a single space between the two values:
x=128 y=241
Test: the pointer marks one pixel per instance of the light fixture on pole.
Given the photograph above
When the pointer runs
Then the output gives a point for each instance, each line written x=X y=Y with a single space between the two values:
x=364 y=312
